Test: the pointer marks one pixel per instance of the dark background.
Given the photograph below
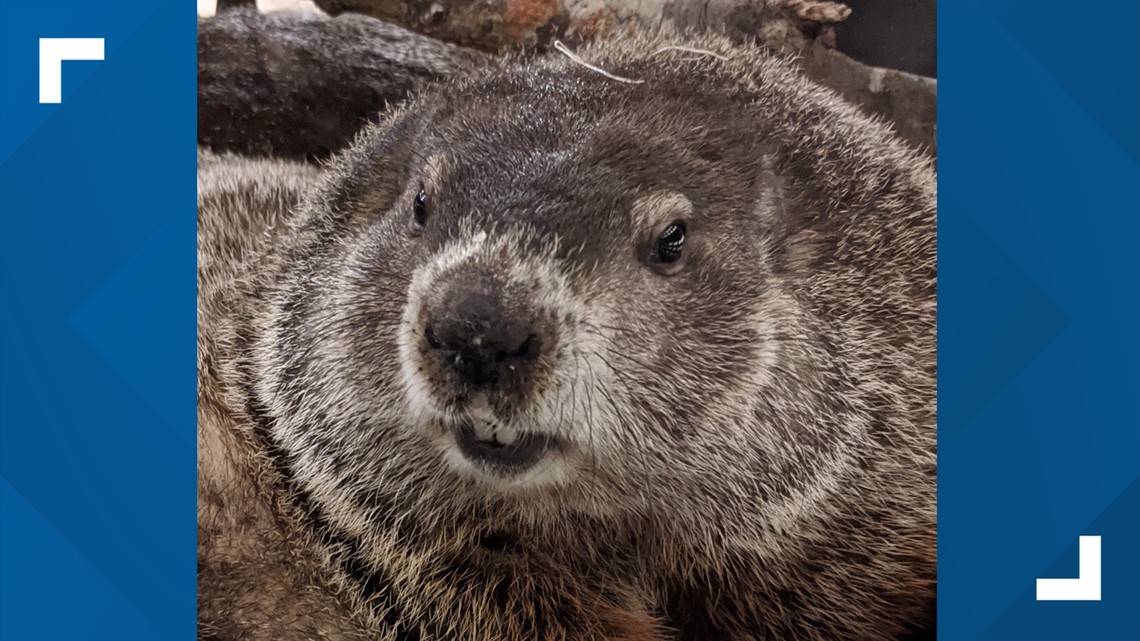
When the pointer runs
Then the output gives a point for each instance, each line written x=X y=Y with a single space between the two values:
x=899 y=34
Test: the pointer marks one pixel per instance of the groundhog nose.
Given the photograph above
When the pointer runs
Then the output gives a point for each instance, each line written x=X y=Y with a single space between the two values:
x=479 y=341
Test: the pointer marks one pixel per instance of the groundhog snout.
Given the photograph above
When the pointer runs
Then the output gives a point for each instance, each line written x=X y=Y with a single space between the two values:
x=473 y=337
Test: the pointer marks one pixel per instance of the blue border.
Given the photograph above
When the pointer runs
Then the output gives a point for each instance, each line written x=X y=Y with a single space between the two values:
x=1039 y=315
x=97 y=253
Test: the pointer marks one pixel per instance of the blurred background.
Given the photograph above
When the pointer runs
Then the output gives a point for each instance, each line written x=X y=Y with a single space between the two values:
x=897 y=34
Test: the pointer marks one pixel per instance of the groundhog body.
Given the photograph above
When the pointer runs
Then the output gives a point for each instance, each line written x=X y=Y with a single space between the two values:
x=640 y=346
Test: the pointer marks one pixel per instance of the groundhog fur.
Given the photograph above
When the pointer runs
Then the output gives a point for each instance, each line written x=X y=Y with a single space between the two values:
x=738 y=443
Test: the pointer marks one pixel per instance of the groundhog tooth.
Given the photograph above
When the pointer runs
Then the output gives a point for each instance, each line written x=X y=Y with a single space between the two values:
x=484 y=430
x=506 y=435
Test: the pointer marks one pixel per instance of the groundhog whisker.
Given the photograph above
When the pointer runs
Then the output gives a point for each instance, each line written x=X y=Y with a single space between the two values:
x=577 y=354
x=625 y=420
x=644 y=368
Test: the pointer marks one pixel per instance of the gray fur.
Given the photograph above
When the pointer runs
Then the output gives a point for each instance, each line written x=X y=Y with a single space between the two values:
x=750 y=441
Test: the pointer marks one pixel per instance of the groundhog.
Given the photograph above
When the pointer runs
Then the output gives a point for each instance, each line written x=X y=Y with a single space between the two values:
x=635 y=343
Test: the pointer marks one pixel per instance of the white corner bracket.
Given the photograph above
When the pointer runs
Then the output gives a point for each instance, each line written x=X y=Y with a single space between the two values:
x=1086 y=587
x=53 y=51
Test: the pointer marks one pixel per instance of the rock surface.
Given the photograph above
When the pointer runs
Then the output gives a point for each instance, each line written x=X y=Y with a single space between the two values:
x=301 y=84
x=802 y=28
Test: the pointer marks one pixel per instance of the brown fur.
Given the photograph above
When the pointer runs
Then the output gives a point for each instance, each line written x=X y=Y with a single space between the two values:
x=749 y=439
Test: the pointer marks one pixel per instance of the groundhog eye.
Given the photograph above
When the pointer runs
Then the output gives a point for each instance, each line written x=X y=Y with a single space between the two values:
x=670 y=243
x=419 y=209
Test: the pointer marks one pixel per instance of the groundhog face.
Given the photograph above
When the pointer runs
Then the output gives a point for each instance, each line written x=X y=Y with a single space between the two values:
x=541 y=291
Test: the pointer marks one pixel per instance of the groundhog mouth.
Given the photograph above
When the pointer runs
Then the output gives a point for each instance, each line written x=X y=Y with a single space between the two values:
x=527 y=449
